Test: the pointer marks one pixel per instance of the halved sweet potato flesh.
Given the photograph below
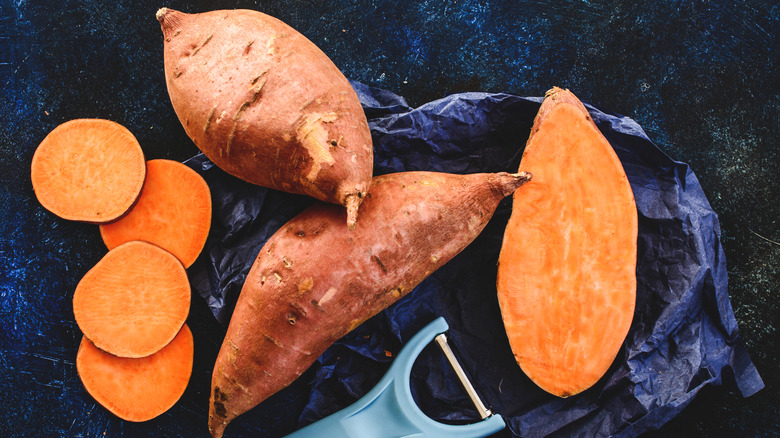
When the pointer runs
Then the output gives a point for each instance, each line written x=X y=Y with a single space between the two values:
x=133 y=301
x=137 y=389
x=567 y=268
x=88 y=170
x=173 y=212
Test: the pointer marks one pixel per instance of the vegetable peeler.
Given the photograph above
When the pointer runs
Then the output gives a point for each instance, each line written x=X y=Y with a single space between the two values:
x=389 y=411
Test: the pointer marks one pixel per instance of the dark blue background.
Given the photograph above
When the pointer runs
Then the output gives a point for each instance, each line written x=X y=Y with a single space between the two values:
x=699 y=76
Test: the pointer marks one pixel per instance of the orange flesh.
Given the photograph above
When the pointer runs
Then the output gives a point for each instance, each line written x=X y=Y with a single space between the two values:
x=173 y=212
x=137 y=389
x=566 y=277
x=88 y=170
x=133 y=301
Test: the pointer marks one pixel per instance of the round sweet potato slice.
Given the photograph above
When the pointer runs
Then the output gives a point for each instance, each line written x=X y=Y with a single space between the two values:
x=137 y=389
x=173 y=212
x=88 y=170
x=133 y=301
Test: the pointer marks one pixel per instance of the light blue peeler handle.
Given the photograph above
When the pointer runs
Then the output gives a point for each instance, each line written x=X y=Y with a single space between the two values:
x=389 y=411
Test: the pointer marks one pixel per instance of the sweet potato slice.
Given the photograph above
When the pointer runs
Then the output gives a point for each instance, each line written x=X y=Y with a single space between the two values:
x=567 y=268
x=266 y=105
x=314 y=280
x=88 y=170
x=173 y=212
x=133 y=301
x=137 y=389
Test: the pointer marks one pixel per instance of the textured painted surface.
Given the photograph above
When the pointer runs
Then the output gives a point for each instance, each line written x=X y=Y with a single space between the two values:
x=699 y=76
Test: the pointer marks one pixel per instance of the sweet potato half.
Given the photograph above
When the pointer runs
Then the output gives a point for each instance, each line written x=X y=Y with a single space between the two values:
x=267 y=105
x=314 y=280
x=567 y=267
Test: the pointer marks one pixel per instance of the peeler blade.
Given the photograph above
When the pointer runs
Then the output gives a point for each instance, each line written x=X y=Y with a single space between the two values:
x=441 y=340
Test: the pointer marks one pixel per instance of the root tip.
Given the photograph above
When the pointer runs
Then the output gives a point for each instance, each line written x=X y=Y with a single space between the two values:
x=554 y=92
x=161 y=14
x=216 y=430
x=523 y=176
x=506 y=183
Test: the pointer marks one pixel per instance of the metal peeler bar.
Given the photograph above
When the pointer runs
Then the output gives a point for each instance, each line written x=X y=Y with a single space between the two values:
x=484 y=412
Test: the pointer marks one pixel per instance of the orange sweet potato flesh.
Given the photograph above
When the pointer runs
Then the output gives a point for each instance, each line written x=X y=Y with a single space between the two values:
x=567 y=268
x=133 y=301
x=266 y=105
x=137 y=389
x=88 y=170
x=314 y=280
x=173 y=212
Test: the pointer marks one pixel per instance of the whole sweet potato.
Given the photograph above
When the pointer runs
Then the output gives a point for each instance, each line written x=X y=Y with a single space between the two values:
x=314 y=280
x=266 y=105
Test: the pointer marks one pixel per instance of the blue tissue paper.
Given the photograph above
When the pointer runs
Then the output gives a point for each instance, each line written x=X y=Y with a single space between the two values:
x=683 y=337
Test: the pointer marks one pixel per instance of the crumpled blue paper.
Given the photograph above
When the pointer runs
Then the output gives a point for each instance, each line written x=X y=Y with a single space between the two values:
x=683 y=337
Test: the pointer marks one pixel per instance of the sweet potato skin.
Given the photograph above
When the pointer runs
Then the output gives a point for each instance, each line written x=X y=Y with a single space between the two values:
x=267 y=105
x=314 y=281
x=567 y=269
